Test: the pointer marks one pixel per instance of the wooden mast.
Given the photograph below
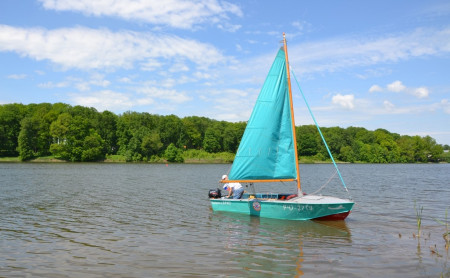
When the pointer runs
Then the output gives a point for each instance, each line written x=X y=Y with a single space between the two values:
x=291 y=106
x=299 y=188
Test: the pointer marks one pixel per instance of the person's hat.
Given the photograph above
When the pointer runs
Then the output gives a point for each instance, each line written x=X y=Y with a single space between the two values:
x=224 y=177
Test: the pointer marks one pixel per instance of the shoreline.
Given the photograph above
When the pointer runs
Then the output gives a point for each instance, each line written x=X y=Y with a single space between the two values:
x=51 y=159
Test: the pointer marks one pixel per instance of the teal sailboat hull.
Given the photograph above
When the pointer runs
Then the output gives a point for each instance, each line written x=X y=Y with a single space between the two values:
x=304 y=208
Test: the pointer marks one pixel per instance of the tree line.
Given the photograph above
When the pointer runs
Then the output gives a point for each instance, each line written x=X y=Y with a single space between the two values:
x=77 y=133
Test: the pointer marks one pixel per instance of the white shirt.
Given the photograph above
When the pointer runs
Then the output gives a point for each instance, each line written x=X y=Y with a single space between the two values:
x=233 y=185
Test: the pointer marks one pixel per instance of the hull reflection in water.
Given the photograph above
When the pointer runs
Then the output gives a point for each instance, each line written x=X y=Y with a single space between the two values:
x=272 y=247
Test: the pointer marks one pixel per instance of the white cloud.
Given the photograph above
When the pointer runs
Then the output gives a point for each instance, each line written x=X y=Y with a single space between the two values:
x=183 y=14
x=127 y=80
x=396 y=86
x=345 y=101
x=104 y=100
x=85 y=48
x=202 y=75
x=165 y=94
x=389 y=108
x=82 y=85
x=375 y=88
x=49 y=85
x=300 y=25
x=388 y=105
x=99 y=80
x=373 y=72
x=421 y=92
x=229 y=27
x=17 y=76
x=150 y=65
x=445 y=103
x=177 y=67
x=341 y=53
x=95 y=80
x=302 y=28
x=229 y=104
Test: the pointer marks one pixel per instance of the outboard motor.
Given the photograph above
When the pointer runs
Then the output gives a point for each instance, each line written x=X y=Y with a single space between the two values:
x=214 y=193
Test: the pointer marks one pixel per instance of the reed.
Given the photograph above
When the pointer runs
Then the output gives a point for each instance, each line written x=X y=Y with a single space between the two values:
x=418 y=218
x=446 y=235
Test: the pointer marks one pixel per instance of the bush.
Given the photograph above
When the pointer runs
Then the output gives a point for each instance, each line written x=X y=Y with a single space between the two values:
x=173 y=154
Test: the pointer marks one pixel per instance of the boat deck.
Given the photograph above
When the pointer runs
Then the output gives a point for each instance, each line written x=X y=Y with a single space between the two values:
x=291 y=198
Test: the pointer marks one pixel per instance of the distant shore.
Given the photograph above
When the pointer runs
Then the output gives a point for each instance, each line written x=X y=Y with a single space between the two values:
x=121 y=159
x=113 y=159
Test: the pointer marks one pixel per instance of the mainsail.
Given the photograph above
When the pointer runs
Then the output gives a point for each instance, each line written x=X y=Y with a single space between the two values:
x=267 y=149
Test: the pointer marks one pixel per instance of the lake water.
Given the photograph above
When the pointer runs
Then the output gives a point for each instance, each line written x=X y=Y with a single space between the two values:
x=146 y=220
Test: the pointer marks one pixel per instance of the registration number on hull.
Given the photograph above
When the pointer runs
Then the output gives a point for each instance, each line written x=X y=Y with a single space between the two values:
x=298 y=208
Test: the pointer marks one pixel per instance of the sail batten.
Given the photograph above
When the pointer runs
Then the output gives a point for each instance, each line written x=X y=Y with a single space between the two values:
x=267 y=150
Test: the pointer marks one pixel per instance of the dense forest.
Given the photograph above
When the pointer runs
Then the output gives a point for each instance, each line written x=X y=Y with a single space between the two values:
x=77 y=133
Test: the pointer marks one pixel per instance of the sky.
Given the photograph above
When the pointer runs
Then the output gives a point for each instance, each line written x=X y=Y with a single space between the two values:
x=372 y=64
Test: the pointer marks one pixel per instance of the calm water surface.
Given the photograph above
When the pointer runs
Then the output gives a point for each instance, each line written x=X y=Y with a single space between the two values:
x=143 y=220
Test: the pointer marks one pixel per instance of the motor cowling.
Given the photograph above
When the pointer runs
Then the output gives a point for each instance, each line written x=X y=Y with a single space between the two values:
x=214 y=193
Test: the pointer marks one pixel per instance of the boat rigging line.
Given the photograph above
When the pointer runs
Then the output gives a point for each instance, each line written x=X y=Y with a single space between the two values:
x=321 y=135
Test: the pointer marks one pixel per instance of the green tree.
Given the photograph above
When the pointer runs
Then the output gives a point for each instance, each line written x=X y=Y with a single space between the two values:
x=173 y=154
x=365 y=136
x=133 y=124
x=232 y=136
x=108 y=131
x=364 y=152
x=133 y=152
x=377 y=154
x=93 y=149
x=59 y=130
x=124 y=132
x=44 y=116
x=336 y=139
x=27 y=140
x=170 y=130
x=347 y=154
x=11 y=116
x=211 y=141
x=194 y=128
x=70 y=134
x=151 y=144
x=406 y=148
x=389 y=148
x=432 y=150
x=307 y=140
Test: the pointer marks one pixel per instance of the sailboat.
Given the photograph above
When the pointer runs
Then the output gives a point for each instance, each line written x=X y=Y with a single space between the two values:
x=268 y=153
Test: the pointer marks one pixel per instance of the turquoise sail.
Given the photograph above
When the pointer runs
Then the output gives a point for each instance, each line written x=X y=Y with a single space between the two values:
x=266 y=151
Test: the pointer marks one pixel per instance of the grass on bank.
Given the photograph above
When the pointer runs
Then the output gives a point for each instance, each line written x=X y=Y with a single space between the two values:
x=190 y=156
x=9 y=159
x=37 y=159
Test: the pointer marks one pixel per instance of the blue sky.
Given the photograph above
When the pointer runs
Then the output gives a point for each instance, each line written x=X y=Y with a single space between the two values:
x=372 y=64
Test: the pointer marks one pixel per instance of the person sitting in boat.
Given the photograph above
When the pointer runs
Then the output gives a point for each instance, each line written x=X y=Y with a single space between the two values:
x=234 y=188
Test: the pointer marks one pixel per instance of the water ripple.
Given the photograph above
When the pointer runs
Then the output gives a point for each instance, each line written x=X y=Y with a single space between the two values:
x=143 y=220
